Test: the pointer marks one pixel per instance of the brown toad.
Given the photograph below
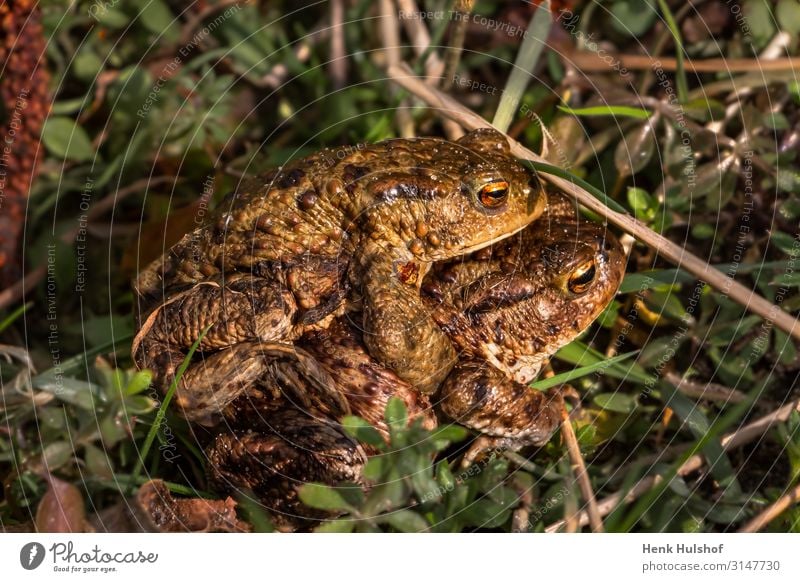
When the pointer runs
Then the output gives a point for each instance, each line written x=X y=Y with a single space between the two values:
x=514 y=304
x=279 y=257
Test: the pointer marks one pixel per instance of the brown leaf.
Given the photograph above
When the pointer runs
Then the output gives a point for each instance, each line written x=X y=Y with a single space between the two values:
x=168 y=514
x=61 y=510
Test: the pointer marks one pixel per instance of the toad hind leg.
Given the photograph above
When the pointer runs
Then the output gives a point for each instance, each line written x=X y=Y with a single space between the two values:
x=273 y=460
x=247 y=308
x=212 y=382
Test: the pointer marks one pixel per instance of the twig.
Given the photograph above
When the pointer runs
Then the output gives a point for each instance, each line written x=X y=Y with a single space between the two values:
x=421 y=40
x=462 y=9
x=447 y=106
x=521 y=517
x=591 y=62
x=581 y=475
x=707 y=390
x=338 y=62
x=771 y=512
x=571 y=521
x=736 y=439
x=390 y=33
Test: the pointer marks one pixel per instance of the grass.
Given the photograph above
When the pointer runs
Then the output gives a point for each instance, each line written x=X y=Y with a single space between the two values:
x=255 y=91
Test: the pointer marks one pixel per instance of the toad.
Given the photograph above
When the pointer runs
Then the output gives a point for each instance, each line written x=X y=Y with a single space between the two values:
x=282 y=254
x=505 y=309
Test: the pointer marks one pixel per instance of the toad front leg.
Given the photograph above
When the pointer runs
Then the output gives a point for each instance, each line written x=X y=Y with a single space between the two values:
x=398 y=329
x=483 y=398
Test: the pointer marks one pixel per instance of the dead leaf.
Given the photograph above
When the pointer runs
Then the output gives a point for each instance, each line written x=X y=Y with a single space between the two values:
x=168 y=514
x=61 y=510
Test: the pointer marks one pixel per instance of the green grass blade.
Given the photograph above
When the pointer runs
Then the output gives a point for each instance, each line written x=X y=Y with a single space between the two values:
x=578 y=354
x=529 y=52
x=680 y=73
x=561 y=173
x=14 y=315
x=576 y=373
x=718 y=462
x=648 y=499
x=162 y=410
x=615 y=110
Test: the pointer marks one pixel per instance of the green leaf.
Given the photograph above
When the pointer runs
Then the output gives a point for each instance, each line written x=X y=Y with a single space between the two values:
x=788 y=15
x=615 y=402
x=351 y=492
x=423 y=483
x=254 y=512
x=615 y=110
x=641 y=203
x=703 y=231
x=406 y=521
x=635 y=151
x=113 y=429
x=389 y=495
x=321 y=496
x=449 y=433
x=362 y=431
x=157 y=18
x=776 y=120
x=444 y=476
x=704 y=109
x=680 y=73
x=56 y=455
x=504 y=496
x=139 y=405
x=634 y=282
x=64 y=138
x=396 y=413
x=561 y=173
x=760 y=21
x=98 y=329
x=85 y=66
x=14 y=315
x=374 y=468
x=666 y=304
x=77 y=392
x=632 y=17
x=97 y=462
x=139 y=382
x=108 y=16
x=579 y=354
x=485 y=513
x=788 y=180
x=336 y=526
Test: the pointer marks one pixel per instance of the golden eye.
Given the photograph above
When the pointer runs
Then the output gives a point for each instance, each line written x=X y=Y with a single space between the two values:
x=493 y=194
x=581 y=278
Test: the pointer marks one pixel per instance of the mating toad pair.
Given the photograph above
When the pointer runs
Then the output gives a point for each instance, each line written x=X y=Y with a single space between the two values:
x=402 y=268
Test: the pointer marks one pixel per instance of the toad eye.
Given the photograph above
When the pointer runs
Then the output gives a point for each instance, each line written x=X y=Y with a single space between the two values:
x=493 y=194
x=582 y=277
